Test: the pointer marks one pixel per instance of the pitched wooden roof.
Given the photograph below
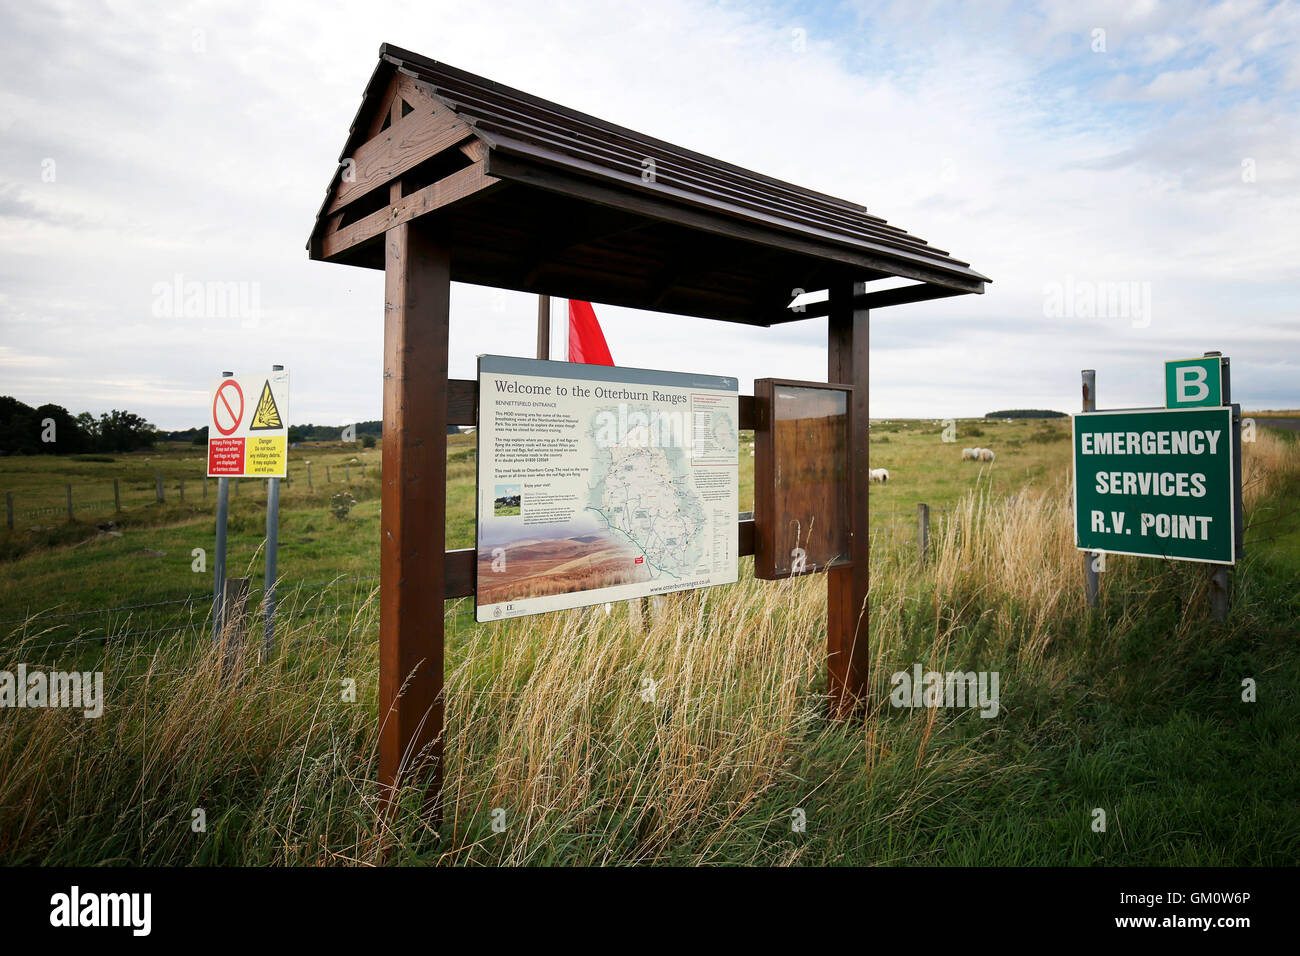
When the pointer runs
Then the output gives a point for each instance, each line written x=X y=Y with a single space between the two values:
x=535 y=196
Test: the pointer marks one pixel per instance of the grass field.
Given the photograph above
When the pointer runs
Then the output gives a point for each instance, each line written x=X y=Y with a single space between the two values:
x=148 y=557
x=1134 y=709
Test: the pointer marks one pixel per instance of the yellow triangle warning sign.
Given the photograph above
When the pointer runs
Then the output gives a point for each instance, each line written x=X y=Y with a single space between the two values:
x=267 y=415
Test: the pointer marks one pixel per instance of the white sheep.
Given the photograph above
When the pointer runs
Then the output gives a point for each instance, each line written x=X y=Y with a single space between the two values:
x=970 y=454
x=880 y=474
x=986 y=454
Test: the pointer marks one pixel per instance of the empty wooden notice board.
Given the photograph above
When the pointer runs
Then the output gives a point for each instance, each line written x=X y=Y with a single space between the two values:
x=802 y=490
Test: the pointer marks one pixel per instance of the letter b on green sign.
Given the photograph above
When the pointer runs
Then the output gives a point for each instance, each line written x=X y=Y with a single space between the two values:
x=1193 y=383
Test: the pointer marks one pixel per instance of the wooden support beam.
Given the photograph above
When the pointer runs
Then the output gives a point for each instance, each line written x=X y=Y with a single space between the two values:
x=380 y=116
x=475 y=149
x=417 y=274
x=458 y=186
x=847 y=648
x=543 y=326
x=407 y=143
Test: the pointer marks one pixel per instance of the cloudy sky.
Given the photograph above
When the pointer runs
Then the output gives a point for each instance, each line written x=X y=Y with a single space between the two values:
x=1058 y=147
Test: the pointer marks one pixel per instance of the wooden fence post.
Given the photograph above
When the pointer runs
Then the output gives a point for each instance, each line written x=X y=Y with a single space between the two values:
x=327 y=474
x=69 y=502
x=923 y=531
x=309 y=476
x=117 y=497
x=158 y=485
x=234 y=618
x=182 y=490
x=9 y=509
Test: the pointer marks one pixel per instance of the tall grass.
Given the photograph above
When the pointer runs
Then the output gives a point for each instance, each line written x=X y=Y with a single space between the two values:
x=689 y=737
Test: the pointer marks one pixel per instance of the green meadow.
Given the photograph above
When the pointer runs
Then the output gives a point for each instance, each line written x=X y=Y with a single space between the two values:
x=1134 y=709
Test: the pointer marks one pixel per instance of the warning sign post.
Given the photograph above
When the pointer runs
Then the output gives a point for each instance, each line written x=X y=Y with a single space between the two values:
x=248 y=435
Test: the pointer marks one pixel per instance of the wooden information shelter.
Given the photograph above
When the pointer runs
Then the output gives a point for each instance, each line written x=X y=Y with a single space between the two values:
x=447 y=176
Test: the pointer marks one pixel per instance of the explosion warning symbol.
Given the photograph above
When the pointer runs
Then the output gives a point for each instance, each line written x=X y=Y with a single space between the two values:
x=267 y=415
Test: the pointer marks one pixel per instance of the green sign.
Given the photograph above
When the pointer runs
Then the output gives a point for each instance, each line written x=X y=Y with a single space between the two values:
x=1194 y=383
x=1163 y=483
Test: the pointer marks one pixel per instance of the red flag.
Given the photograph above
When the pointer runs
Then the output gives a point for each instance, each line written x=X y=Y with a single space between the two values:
x=586 y=340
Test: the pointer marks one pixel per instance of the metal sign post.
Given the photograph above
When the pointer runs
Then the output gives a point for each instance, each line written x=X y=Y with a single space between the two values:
x=247 y=438
x=1091 y=575
x=219 y=562
x=1220 y=576
x=272 y=552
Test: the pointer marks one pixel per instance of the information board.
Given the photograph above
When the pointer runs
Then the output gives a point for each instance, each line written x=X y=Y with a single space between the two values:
x=1160 y=483
x=598 y=483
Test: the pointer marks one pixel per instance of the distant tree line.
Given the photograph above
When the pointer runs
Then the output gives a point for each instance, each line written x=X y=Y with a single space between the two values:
x=1026 y=413
x=53 y=430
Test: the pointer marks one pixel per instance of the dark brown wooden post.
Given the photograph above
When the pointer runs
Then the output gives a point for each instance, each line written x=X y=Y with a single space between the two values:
x=846 y=598
x=544 y=327
x=417 y=275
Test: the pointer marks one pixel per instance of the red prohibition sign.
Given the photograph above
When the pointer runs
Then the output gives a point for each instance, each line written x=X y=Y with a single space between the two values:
x=222 y=401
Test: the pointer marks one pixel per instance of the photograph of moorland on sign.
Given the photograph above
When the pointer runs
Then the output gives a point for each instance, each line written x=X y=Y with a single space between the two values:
x=533 y=567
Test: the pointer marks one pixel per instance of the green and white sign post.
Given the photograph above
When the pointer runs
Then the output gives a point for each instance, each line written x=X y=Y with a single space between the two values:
x=1164 y=482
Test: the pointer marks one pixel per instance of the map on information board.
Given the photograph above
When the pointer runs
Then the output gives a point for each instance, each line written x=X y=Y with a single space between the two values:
x=598 y=483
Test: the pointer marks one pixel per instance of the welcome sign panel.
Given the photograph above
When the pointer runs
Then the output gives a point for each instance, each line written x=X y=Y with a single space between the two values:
x=598 y=483
x=1158 y=483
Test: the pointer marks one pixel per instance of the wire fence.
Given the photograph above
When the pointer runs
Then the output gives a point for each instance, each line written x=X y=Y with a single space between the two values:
x=891 y=531
x=88 y=501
